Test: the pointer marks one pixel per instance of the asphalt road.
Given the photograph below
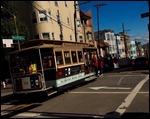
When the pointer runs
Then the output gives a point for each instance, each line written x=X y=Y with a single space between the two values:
x=115 y=94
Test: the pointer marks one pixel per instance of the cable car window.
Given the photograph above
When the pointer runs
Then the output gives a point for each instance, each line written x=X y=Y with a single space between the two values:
x=47 y=58
x=59 y=58
x=74 y=56
x=67 y=57
x=80 y=56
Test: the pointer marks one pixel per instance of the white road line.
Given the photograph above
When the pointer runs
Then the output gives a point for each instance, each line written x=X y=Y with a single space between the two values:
x=27 y=114
x=122 y=108
x=106 y=87
x=116 y=75
x=120 y=80
x=106 y=92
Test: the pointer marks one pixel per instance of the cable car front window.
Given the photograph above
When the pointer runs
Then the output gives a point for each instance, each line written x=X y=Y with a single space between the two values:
x=20 y=62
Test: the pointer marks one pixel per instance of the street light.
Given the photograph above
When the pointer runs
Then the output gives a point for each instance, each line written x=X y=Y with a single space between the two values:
x=14 y=17
x=97 y=6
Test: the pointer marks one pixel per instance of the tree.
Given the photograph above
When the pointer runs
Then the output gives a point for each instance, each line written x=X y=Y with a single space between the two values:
x=8 y=28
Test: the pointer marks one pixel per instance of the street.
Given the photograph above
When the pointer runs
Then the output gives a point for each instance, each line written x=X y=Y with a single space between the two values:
x=115 y=94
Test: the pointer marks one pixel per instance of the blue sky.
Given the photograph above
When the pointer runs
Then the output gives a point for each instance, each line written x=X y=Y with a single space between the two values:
x=114 y=13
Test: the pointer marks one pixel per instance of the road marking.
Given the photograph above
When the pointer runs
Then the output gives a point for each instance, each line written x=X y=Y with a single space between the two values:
x=120 y=80
x=106 y=87
x=28 y=114
x=106 y=92
x=122 y=108
x=116 y=75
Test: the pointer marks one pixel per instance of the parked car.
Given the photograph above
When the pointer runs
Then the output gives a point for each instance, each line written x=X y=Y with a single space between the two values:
x=141 y=63
x=125 y=62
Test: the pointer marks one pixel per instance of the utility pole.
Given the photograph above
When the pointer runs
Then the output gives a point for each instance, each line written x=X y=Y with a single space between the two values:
x=75 y=18
x=59 y=22
x=117 y=46
x=97 y=6
x=124 y=40
x=14 y=17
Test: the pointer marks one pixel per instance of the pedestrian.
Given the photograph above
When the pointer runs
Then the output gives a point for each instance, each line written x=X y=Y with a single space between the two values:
x=4 y=84
x=95 y=63
x=101 y=65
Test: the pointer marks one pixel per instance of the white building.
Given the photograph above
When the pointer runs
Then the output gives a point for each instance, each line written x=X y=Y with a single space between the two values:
x=133 y=53
x=118 y=46
x=108 y=36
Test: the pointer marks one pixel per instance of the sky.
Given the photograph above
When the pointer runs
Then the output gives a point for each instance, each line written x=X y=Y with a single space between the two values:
x=115 y=13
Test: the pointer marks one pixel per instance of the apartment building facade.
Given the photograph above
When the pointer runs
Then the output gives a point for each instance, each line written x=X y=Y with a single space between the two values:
x=133 y=53
x=87 y=27
x=146 y=49
x=125 y=44
x=108 y=37
x=119 y=45
x=53 y=20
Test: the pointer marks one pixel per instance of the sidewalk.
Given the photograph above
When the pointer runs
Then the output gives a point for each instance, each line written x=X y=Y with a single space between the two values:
x=7 y=91
x=8 y=86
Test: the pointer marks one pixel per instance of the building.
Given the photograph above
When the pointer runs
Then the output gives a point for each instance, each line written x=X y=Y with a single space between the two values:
x=138 y=48
x=87 y=30
x=146 y=49
x=133 y=53
x=107 y=36
x=125 y=39
x=53 y=20
x=119 y=45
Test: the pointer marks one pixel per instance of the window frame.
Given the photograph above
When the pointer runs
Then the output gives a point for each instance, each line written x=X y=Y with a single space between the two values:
x=62 y=64
x=39 y=14
x=79 y=57
x=73 y=58
x=46 y=33
x=69 y=57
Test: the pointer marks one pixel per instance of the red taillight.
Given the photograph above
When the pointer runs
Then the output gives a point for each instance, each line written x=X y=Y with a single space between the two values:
x=132 y=62
x=146 y=61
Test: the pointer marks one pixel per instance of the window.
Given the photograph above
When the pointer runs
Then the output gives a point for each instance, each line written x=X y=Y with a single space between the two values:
x=89 y=36
x=78 y=23
x=34 y=18
x=56 y=3
x=74 y=57
x=70 y=37
x=80 y=56
x=81 y=40
x=67 y=57
x=42 y=15
x=68 y=20
x=53 y=35
x=45 y=35
x=59 y=59
x=108 y=37
x=65 y=3
x=47 y=58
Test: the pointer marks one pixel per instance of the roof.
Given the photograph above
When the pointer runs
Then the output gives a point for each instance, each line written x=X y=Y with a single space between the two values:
x=85 y=15
x=104 y=44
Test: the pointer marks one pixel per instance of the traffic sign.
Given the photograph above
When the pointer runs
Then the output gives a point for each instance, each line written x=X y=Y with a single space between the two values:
x=145 y=15
x=7 y=43
x=18 y=37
